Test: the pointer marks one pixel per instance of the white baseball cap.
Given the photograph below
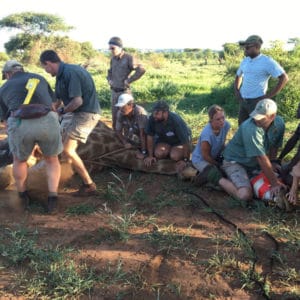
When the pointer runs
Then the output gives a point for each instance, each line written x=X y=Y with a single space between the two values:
x=124 y=99
x=265 y=107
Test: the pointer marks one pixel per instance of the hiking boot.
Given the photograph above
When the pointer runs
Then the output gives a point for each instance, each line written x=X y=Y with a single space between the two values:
x=210 y=174
x=86 y=190
x=52 y=203
x=25 y=200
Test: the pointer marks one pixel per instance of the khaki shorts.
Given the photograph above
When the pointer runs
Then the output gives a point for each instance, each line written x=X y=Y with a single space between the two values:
x=24 y=134
x=81 y=125
x=237 y=174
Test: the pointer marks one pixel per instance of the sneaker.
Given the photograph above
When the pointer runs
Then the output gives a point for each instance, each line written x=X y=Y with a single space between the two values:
x=86 y=190
x=52 y=203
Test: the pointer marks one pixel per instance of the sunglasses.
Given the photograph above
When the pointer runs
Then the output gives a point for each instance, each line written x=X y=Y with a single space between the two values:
x=249 y=46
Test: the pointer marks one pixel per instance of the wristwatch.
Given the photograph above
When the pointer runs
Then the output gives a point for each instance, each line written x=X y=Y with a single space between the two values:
x=144 y=152
x=185 y=159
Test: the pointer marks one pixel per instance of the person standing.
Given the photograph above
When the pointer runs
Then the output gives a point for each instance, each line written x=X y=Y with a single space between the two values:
x=124 y=69
x=131 y=123
x=25 y=130
x=76 y=89
x=168 y=136
x=246 y=152
x=252 y=77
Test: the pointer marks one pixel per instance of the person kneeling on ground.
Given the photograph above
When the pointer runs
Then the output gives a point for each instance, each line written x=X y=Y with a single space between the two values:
x=168 y=136
x=130 y=124
x=246 y=152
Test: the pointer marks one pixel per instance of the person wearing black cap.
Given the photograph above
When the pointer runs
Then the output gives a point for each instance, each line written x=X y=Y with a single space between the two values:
x=25 y=92
x=252 y=76
x=168 y=136
x=124 y=69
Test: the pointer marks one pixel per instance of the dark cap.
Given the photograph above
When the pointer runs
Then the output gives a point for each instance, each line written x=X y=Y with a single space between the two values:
x=252 y=39
x=116 y=41
x=160 y=106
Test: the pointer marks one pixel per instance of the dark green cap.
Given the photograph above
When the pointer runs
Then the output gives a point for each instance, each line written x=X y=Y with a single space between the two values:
x=252 y=39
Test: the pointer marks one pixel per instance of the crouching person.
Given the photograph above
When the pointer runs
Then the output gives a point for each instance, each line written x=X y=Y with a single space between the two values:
x=30 y=121
x=131 y=123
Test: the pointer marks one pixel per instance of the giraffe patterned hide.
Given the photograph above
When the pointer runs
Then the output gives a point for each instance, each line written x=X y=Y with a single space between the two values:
x=102 y=148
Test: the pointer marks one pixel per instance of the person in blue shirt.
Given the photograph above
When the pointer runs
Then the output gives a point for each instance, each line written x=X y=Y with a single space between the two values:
x=252 y=77
x=168 y=136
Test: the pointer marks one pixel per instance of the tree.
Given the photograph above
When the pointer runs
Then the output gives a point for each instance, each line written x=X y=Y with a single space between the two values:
x=31 y=27
x=35 y=23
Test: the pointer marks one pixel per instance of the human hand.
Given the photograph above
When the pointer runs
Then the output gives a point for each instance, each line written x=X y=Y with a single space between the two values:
x=127 y=145
x=292 y=197
x=149 y=160
x=180 y=165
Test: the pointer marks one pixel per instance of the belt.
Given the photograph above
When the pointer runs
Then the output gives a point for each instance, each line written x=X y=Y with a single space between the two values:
x=118 y=90
x=253 y=99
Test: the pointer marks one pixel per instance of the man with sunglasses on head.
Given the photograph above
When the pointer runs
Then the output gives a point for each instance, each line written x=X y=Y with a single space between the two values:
x=124 y=69
x=252 y=77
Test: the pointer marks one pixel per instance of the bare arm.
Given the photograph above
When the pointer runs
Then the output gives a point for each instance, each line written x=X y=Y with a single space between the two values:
x=282 y=81
x=143 y=139
x=74 y=104
x=206 y=152
x=237 y=86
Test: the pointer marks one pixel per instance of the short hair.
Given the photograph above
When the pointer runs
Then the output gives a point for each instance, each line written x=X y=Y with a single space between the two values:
x=213 y=110
x=49 y=55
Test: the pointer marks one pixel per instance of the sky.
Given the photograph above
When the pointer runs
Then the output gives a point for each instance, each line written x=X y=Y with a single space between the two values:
x=165 y=24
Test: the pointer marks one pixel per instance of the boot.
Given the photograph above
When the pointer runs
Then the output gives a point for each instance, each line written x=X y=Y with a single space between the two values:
x=52 y=203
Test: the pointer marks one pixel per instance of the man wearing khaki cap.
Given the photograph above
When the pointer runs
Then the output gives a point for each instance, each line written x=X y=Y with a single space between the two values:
x=246 y=152
x=252 y=77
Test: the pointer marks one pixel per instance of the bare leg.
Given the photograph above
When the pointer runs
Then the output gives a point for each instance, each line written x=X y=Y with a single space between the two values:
x=243 y=193
x=20 y=174
x=53 y=173
x=70 y=147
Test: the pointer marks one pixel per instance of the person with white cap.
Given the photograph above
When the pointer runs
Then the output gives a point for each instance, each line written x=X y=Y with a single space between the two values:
x=26 y=108
x=124 y=69
x=246 y=152
x=130 y=124
x=252 y=76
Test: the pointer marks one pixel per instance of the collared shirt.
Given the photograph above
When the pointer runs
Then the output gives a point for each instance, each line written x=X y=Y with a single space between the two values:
x=256 y=73
x=13 y=93
x=274 y=134
x=120 y=69
x=132 y=125
x=173 y=131
x=246 y=145
x=75 y=81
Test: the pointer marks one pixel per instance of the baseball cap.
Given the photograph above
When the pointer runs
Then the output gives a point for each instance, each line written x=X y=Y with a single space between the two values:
x=252 y=39
x=9 y=66
x=160 y=105
x=124 y=99
x=263 y=108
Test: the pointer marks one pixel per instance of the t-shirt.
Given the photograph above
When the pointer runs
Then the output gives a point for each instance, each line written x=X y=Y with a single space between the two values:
x=256 y=73
x=173 y=132
x=216 y=142
x=13 y=92
x=274 y=134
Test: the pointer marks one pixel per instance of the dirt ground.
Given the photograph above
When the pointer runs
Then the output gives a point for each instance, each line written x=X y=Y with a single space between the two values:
x=182 y=242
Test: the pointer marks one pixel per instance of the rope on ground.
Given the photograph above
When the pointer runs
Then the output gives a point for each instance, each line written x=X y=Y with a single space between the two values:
x=240 y=231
